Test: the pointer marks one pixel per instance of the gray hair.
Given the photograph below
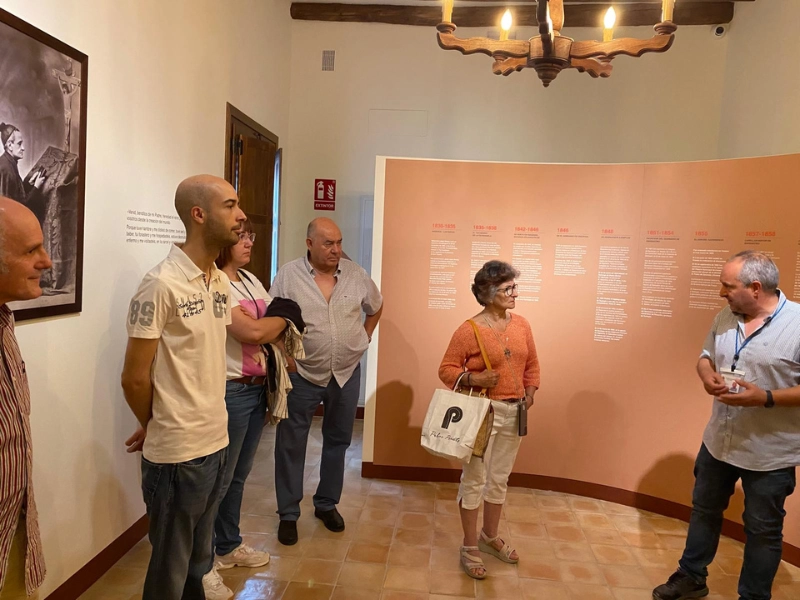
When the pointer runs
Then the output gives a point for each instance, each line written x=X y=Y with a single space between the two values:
x=757 y=266
x=488 y=280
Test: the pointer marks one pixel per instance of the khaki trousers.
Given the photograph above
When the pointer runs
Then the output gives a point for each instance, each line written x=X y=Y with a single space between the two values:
x=14 y=586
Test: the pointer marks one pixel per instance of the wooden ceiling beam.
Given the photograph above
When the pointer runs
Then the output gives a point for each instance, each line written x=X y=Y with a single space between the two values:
x=694 y=12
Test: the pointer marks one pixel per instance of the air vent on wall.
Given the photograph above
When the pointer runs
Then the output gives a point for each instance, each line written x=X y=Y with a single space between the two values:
x=328 y=57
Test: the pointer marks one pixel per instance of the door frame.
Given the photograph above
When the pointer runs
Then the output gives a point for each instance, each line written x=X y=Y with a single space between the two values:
x=231 y=113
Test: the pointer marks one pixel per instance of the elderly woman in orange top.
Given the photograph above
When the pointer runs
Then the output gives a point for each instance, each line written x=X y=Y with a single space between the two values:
x=514 y=379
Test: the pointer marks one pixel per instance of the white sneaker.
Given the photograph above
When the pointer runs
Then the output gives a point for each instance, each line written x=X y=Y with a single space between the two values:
x=214 y=587
x=243 y=556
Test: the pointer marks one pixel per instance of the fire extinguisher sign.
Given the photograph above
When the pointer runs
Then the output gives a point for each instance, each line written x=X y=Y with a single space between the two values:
x=324 y=194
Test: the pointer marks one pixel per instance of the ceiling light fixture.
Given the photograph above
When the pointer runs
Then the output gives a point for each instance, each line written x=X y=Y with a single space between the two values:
x=549 y=53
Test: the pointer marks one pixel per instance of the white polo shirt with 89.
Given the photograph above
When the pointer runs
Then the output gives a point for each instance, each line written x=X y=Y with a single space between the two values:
x=174 y=305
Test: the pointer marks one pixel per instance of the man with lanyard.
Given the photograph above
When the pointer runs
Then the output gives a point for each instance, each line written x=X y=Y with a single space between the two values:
x=750 y=364
x=332 y=293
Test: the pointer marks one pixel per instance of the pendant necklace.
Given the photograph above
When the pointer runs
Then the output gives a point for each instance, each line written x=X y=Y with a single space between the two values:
x=506 y=351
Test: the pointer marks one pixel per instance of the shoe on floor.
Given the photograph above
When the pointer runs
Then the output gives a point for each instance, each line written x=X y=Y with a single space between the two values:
x=680 y=586
x=214 y=587
x=242 y=556
x=330 y=518
x=287 y=533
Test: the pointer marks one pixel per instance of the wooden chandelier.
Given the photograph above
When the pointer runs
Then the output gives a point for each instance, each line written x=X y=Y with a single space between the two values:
x=549 y=53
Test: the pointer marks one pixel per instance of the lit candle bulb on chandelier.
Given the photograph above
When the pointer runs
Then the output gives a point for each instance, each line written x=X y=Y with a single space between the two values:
x=608 y=24
x=667 y=9
x=505 y=25
x=447 y=11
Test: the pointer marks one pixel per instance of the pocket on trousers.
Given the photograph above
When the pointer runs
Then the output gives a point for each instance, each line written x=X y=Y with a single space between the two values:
x=151 y=474
x=195 y=462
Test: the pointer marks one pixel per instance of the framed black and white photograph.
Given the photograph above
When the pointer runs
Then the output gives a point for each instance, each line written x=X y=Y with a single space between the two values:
x=43 y=153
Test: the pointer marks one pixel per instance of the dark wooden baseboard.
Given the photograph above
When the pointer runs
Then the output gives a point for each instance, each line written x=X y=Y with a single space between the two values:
x=81 y=581
x=667 y=508
x=359 y=412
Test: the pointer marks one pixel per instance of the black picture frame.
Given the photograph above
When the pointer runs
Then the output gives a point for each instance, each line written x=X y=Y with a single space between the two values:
x=43 y=95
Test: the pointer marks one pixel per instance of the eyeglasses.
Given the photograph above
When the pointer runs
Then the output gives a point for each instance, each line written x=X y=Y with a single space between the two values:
x=509 y=291
x=247 y=236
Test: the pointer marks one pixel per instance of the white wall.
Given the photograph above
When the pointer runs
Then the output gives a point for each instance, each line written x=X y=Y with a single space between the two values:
x=654 y=108
x=760 y=113
x=160 y=74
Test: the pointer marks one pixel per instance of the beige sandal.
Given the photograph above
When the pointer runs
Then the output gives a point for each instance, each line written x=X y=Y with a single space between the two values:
x=471 y=563
x=486 y=544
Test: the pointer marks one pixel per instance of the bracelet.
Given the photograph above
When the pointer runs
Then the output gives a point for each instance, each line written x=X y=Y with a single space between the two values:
x=770 y=401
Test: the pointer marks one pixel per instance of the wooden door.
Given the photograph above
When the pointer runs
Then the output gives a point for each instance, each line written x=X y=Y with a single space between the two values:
x=250 y=168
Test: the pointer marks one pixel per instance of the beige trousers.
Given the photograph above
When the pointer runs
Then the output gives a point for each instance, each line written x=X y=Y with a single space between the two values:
x=14 y=586
x=487 y=479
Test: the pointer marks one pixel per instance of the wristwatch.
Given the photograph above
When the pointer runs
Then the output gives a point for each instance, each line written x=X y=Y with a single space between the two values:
x=770 y=401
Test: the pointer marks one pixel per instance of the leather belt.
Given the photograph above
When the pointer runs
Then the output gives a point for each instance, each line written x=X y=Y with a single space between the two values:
x=506 y=399
x=255 y=380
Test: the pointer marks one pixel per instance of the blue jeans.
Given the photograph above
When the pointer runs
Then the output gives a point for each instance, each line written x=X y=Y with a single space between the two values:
x=291 y=438
x=247 y=409
x=181 y=501
x=764 y=496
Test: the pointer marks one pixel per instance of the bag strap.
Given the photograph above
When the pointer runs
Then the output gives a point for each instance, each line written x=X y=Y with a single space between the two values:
x=480 y=345
x=483 y=352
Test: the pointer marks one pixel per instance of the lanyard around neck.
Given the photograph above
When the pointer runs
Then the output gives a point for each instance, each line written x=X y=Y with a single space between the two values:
x=750 y=337
x=246 y=289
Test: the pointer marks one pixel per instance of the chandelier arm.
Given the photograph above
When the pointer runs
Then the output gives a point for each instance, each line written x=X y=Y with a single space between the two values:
x=508 y=65
x=544 y=27
x=592 y=66
x=482 y=45
x=627 y=46
x=557 y=15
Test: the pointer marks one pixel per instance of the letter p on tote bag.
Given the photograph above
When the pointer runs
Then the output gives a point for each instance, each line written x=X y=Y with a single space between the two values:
x=452 y=424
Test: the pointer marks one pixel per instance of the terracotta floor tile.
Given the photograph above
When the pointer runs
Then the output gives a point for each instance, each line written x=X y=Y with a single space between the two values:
x=526 y=514
x=384 y=502
x=413 y=537
x=373 y=534
x=522 y=499
x=642 y=540
x=585 y=505
x=668 y=526
x=325 y=534
x=446 y=597
x=574 y=551
x=731 y=565
x=631 y=524
x=302 y=591
x=279 y=567
x=369 y=553
x=315 y=571
x=324 y=549
x=352 y=500
x=622 y=576
x=398 y=595
x=362 y=575
x=258 y=588
x=446 y=507
x=409 y=556
x=419 y=490
x=558 y=517
x=614 y=555
x=537 y=589
x=530 y=530
x=552 y=502
x=581 y=573
x=498 y=588
x=589 y=520
x=410 y=520
x=542 y=568
x=343 y=593
x=385 y=488
x=420 y=505
x=448 y=539
x=582 y=591
x=656 y=557
x=258 y=524
x=447 y=523
x=407 y=579
x=604 y=536
x=632 y=594
x=672 y=542
x=565 y=533
x=379 y=516
x=445 y=559
x=530 y=549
